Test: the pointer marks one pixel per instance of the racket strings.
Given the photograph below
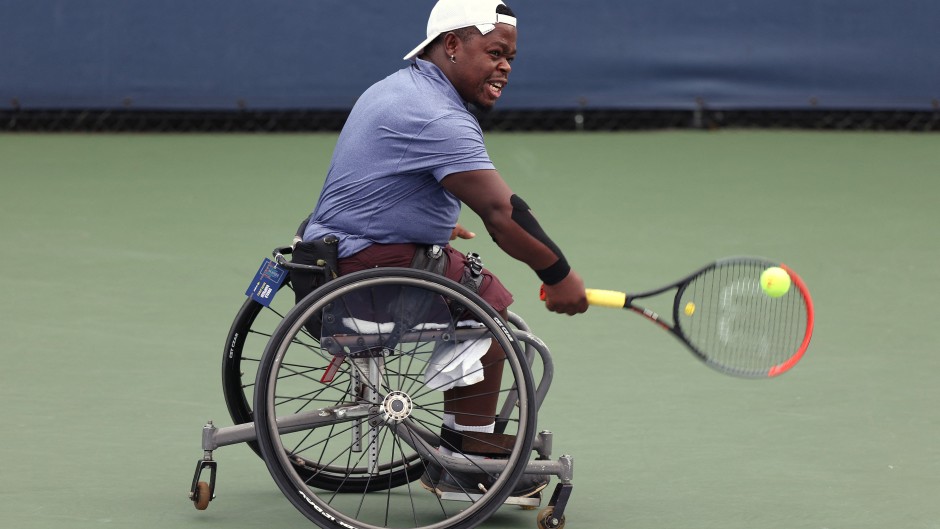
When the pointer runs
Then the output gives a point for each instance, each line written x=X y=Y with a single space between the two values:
x=727 y=317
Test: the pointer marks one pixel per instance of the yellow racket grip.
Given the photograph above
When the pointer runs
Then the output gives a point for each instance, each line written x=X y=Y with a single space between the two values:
x=606 y=298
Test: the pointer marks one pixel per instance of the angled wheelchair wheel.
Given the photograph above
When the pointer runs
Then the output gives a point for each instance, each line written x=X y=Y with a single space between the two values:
x=362 y=405
x=244 y=345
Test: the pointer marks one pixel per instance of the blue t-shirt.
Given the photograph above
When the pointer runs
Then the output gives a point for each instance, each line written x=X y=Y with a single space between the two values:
x=403 y=136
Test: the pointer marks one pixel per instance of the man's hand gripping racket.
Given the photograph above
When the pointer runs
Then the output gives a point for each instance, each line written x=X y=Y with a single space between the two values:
x=728 y=315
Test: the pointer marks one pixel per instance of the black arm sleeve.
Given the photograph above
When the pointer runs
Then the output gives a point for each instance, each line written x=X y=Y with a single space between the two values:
x=522 y=215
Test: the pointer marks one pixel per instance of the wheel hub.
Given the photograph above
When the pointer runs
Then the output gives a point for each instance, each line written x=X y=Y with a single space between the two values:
x=396 y=407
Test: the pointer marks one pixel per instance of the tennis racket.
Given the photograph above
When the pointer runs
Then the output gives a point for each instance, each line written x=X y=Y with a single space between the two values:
x=723 y=315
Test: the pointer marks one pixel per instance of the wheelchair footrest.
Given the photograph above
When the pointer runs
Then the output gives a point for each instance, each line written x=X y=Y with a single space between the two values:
x=530 y=501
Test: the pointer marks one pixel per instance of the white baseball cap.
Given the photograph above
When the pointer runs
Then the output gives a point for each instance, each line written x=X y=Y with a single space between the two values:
x=449 y=15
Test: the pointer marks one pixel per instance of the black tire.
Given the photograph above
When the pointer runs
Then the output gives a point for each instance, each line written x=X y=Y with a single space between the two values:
x=289 y=388
x=244 y=346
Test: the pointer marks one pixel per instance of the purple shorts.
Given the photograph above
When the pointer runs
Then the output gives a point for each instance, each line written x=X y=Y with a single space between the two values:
x=491 y=289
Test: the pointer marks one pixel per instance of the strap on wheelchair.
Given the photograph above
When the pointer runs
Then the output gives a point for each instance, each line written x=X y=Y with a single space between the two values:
x=473 y=272
x=477 y=443
x=313 y=263
x=322 y=253
x=433 y=259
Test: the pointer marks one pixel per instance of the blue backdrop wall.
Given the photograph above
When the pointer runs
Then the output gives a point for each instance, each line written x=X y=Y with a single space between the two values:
x=320 y=54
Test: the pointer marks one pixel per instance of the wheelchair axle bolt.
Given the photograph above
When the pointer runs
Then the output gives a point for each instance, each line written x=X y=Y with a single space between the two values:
x=396 y=407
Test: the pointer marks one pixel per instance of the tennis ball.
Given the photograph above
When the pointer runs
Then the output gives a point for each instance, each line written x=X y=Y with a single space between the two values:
x=775 y=281
x=689 y=308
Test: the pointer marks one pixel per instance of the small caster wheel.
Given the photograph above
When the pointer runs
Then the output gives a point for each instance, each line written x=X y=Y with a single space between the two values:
x=547 y=520
x=202 y=496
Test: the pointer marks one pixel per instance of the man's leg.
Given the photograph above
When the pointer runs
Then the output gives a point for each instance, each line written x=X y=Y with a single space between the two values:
x=476 y=405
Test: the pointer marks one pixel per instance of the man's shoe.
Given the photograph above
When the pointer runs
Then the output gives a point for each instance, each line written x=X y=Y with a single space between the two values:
x=436 y=480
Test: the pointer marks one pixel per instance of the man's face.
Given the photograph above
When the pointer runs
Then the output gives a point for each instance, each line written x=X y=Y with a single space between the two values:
x=483 y=66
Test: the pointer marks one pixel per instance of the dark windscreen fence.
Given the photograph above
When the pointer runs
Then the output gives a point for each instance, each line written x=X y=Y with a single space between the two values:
x=505 y=121
x=292 y=65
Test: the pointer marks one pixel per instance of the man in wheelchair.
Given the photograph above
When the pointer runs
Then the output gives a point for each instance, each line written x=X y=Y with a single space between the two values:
x=410 y=154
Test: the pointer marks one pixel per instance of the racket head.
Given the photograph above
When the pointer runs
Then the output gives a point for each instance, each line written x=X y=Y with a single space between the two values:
x=727 y=319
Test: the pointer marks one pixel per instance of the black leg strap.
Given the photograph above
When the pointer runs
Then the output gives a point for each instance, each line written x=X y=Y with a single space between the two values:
x=477 y=443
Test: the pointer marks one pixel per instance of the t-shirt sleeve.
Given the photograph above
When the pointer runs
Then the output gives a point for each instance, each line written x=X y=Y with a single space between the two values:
x=447 y=145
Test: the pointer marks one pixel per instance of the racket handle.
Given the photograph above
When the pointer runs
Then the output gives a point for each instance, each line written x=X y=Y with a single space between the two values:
x=601 y=298
x=606 y=298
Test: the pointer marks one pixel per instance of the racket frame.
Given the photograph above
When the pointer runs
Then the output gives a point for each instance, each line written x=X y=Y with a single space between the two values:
x=675 y=327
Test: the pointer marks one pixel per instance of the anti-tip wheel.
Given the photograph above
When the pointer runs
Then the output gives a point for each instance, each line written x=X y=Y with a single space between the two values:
x=202 y=497
x=547 y=520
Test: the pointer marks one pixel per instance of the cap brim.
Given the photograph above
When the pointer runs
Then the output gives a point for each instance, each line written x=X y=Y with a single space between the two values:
x=419 y=48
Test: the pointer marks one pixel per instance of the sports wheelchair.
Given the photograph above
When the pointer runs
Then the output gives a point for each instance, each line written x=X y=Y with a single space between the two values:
x=338 y=394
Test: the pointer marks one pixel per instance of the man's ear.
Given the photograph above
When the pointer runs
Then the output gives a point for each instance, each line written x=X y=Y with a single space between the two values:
x=452 y=43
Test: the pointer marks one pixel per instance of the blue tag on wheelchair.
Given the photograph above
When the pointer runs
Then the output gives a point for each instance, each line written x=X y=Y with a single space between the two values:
x=267 y=281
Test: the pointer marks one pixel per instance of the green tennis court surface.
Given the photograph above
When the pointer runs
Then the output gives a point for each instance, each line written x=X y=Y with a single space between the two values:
x=125 y=258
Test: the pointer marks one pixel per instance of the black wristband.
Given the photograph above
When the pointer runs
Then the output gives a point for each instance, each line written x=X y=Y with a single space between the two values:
x=555 y=273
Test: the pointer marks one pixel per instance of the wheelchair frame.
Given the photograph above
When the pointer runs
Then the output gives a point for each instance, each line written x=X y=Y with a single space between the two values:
x=378 y=409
